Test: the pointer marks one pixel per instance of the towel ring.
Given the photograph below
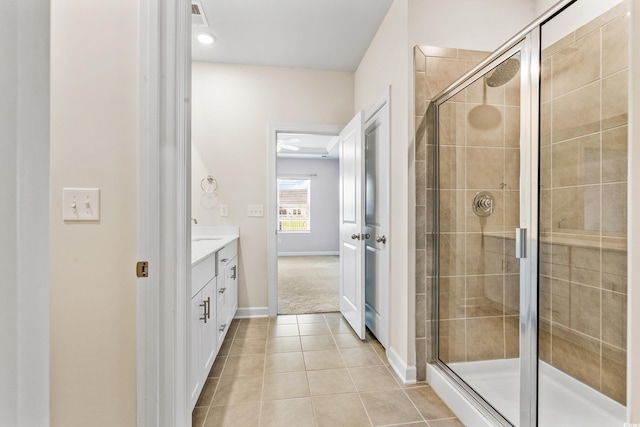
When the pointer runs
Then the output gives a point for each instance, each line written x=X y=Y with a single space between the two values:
x=209 y=184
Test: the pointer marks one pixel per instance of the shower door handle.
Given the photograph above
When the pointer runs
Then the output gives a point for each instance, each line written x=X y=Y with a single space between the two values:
x=521 y=242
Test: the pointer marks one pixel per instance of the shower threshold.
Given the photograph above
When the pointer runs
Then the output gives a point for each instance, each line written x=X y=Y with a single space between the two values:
x=563 y=401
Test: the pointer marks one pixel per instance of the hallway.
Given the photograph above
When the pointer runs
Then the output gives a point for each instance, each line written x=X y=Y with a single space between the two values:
x=310 y=370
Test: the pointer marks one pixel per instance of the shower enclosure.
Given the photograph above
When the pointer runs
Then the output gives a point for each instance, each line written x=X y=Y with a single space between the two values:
x=530 y=222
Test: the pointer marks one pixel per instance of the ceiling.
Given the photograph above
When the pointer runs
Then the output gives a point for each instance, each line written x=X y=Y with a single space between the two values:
x=307 y=146
x=315 y=34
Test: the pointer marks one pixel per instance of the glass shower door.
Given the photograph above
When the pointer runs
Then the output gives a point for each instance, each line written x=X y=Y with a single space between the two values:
x=583 y=216
x=479 y=206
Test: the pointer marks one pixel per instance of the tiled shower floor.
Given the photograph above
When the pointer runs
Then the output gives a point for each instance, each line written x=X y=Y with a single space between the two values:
x=310 y=370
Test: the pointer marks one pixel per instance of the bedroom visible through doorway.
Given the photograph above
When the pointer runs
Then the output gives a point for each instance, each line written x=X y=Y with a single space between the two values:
x=307 y=170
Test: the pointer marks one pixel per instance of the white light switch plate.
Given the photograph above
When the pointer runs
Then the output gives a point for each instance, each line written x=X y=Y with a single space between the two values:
x=224 y=210
x=81 y=204
x=255 y=210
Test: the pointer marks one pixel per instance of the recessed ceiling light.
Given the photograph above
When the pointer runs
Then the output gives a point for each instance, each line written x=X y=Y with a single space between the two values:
x=206 y=38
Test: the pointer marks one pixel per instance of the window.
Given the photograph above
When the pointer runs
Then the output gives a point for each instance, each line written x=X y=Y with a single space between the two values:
x=294 y=204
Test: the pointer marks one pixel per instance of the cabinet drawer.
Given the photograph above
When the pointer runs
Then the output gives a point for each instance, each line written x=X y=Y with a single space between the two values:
x=202 y=273
x=227 y=253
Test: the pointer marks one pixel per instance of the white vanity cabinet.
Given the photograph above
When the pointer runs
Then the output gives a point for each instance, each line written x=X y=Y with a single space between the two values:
x=214 y=302
x=203 y=323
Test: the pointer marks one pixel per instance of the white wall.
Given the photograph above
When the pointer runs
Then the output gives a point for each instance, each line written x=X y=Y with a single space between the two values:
x=94 y=68
x=388 y=62
x=232 y=107
x=325 y=206
x=24 y=212
x=467 y=24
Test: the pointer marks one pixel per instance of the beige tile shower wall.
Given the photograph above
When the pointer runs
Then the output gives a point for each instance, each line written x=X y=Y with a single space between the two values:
x=435 y=68
x=583 y=262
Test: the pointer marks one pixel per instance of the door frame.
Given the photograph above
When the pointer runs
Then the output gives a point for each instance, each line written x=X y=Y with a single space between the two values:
x=272 y=197
x=164 y=208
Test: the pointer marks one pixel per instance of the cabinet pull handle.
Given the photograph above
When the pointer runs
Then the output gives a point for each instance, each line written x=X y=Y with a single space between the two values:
x=204 y=315
x=224 y=260
x=233 y=276
x=221 y=328
x=222 y=290
x=208 y=307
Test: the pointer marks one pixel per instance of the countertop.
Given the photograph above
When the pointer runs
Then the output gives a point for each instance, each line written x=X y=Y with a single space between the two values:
x=206 y=240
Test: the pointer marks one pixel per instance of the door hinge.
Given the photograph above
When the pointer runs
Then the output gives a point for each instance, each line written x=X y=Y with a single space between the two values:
x=142 y=269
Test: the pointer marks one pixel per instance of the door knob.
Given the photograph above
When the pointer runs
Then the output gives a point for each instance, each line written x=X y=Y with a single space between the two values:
x=381 y=239
x=355 y=236
x=366 y=236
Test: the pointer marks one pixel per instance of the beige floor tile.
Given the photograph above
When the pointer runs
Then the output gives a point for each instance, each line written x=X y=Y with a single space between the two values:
x=311 y=318
x=224 y=348
x=429 y=404
x=314 y=329
x=323 y=359
x=284 y=362
x=373 y=378
x=317 y=342
x=240 y=415
x=238 y=390
x=419 y=424
x=248 y=346
x=283 y=344
x=349 y=341
x=206 y=395
x=283 y=319
x=335 y=315
x=286 y=413
x=255 y=321
x=362 y=356
x=344 y=410
x=245 y=365
x=330 y=381
x=286 y=385
x=252 y=332
x=283 y=330
x=339 y=327
x=451 y=422
x=389 y=407
x=218 y=365
x=198 y=416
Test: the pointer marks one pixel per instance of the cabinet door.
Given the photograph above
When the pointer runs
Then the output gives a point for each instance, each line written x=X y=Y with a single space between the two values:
x=208 y=343
x=232 y=288
x=197 y=314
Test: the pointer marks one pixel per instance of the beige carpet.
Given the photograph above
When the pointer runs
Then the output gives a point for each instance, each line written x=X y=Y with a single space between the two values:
x=308 y=284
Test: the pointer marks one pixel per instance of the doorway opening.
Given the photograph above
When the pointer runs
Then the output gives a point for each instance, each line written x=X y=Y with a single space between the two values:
x=307 y=200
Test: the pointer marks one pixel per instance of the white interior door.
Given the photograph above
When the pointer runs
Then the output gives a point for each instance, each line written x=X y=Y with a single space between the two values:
x=376 y=216
x=352 y=291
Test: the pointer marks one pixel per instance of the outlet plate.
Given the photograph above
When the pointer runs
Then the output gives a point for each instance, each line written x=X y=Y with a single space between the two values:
x=224 y=210
x=255 y=210
x=81 y=204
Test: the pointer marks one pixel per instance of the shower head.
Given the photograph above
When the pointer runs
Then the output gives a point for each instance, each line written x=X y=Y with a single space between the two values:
x=503 y=72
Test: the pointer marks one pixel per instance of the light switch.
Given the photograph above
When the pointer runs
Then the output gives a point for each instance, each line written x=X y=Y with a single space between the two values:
x=224 y=210
x=255 y=210
x=81 y=204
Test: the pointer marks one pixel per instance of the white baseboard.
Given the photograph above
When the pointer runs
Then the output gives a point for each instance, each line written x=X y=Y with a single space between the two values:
x=248 y=312
x=406 y=373
x=319 y=253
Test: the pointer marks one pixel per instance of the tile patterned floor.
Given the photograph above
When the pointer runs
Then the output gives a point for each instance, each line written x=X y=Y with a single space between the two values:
x=310 y=370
